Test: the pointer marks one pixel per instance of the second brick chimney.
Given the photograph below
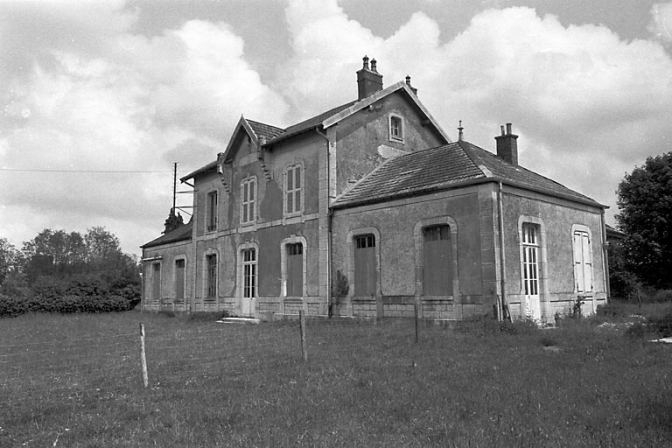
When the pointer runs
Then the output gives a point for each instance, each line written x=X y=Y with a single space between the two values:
x=369 y=81
x=507 y=145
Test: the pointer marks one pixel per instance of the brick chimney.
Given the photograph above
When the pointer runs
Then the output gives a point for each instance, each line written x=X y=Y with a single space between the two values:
x=369 y=81
x=507 y=145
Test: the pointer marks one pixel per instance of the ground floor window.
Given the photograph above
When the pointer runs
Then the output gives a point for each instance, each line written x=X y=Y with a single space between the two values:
x=211 y=276
x=249 y=273
x=156 y=282
x=530 y=260
x=179 y=279
x=583 y=262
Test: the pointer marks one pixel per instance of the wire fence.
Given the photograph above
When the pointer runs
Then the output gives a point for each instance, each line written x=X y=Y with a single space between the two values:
x=48 y=365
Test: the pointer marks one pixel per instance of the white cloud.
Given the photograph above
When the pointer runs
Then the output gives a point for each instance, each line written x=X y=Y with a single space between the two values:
x=661 y=22
x=119 y=102
x=586 y=104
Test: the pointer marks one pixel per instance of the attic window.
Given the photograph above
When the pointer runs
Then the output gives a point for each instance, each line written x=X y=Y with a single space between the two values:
x=396 y=128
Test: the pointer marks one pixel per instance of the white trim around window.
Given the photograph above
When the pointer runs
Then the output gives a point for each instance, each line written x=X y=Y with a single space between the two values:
x=396 y=127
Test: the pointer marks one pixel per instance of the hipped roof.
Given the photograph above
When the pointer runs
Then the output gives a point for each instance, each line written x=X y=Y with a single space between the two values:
x=444 y=167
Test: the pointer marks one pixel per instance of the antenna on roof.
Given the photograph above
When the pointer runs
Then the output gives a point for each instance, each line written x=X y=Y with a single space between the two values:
x=460 y=134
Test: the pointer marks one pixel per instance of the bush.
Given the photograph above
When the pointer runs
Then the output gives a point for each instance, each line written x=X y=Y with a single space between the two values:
x=663 y=295
x=611 y=310
x=205 y=316
x=487 y=325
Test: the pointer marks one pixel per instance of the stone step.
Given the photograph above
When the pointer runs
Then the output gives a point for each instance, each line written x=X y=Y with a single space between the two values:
x=238 y=320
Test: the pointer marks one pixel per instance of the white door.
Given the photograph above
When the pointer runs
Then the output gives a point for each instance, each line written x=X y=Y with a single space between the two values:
x=248 y=300
x=531 y=272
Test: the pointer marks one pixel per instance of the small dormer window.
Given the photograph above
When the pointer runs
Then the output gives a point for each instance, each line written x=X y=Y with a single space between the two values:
x=396 y=128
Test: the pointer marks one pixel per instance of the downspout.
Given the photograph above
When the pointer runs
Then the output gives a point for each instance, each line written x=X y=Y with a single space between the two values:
x=329 y=220
x=605 y=255
x=502 y=308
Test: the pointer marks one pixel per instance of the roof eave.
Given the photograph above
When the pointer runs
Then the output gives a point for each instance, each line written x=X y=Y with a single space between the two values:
x=468 y=183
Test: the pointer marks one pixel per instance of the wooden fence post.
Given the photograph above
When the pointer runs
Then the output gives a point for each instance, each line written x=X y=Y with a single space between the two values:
x=302 y=326
x=143 y=359
x=415 y=309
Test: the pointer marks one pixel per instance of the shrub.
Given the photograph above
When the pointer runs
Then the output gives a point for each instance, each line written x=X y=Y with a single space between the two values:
x=206 y=316
x=12 y=306
x=487 y=325
x=663 y=295
x=611 y=310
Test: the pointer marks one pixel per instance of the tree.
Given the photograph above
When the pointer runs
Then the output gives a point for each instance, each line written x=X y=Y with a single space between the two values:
x=9 y=259
x=101 y=245
x=54 y=253
x=645 y=203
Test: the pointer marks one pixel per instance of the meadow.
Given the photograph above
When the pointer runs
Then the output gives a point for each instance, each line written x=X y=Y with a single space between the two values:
x=76 y=381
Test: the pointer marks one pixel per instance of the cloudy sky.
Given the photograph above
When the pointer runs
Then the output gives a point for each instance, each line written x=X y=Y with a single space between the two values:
x=100 y=98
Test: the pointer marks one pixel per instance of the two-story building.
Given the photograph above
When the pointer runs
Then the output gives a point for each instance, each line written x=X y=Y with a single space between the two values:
x=369 y=209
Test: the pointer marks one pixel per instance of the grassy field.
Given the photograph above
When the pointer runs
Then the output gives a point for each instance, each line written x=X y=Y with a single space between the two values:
x=75 y=381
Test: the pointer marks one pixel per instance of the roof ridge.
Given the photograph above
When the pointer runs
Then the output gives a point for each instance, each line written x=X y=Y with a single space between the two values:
x=264 y=124
x=475 y=158
x=366 y=176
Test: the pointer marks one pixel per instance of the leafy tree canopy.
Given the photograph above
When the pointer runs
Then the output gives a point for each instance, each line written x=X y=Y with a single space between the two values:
x=645 y=203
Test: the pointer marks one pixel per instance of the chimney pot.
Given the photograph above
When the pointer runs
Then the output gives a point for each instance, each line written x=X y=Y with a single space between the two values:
x=408 y=80
x=507 y=145
x=368 y=81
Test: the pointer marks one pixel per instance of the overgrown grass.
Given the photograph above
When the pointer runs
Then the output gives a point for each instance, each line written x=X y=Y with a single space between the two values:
x=75 y=381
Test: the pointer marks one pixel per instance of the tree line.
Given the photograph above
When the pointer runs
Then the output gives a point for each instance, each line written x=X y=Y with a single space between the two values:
x=642 y=263
x=68 y=272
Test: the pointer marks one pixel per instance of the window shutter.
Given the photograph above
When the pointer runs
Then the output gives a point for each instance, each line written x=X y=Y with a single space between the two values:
x=587 y=263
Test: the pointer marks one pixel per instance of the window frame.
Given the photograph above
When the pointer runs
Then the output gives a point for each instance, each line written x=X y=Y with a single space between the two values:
x=212 y=211
x=182 y=260
x=211 y=274
x=156 y=284
x=253 y=265
x=248 y=207
x=531 y=249
x=284 y=263
x=296 y=193
x=396 y=133
x=583 y=231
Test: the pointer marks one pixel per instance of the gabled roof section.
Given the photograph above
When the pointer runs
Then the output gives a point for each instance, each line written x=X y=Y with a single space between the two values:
x=255 y=129
x=273 y=134
x=182 y=233
x=366 y=102
x=309 y=124
x=264 y=131
x=445 y=167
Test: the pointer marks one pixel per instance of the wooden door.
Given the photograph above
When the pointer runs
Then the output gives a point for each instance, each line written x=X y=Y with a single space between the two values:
x=437 y=265
x=294 y=270
x=366 y=273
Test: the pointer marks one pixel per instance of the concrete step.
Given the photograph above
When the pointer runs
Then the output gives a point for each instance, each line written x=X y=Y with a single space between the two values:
x=238 y=320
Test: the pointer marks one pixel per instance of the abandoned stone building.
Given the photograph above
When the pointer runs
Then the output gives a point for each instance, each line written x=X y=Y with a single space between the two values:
x=370 y=209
